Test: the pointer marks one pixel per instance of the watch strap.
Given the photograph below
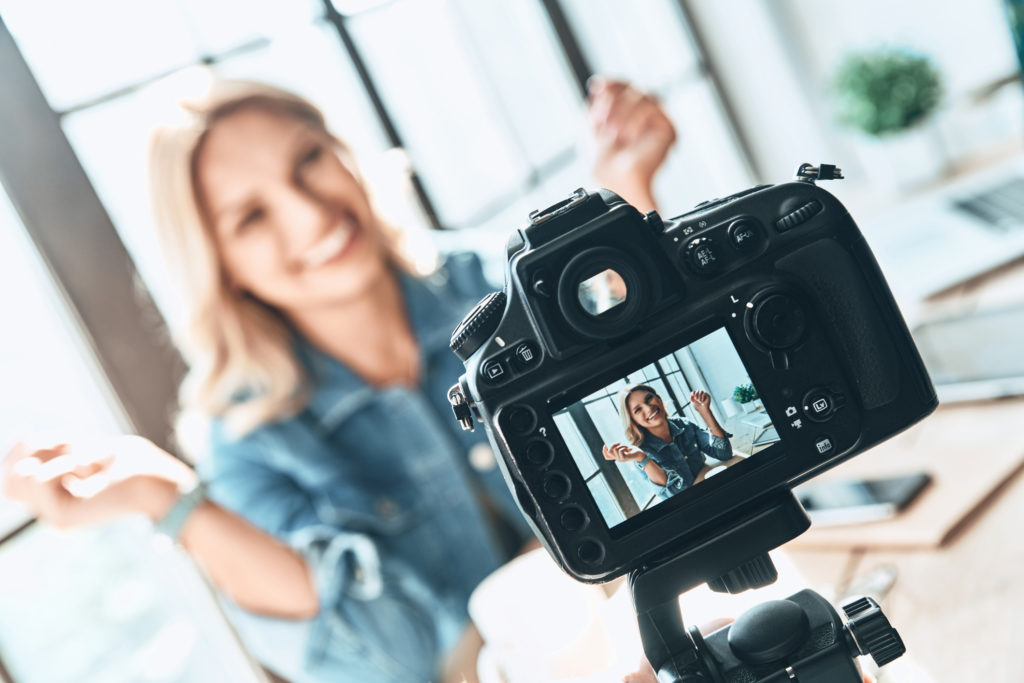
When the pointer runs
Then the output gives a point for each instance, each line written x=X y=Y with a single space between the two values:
x=170 y=524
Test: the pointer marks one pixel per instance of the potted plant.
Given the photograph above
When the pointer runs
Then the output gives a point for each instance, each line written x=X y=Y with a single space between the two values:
x=889 y=95
x=745 y=395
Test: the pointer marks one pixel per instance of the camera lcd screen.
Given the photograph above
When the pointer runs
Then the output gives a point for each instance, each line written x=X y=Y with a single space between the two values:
x=666 y=427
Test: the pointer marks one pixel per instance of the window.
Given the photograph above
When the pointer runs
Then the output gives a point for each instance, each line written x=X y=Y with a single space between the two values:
x=48 y=381
x=481 y=96
x=485 y=99
x=71 y=600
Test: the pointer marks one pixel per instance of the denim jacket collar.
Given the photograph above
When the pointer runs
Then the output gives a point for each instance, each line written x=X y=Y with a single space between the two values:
x=675 y=427
x=338 y=392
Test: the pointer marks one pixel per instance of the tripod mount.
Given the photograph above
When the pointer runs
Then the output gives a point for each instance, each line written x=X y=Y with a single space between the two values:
x=801 y=638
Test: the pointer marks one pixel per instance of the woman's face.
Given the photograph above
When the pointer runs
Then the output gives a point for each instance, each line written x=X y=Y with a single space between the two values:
x=293 y=225
x=646 y=409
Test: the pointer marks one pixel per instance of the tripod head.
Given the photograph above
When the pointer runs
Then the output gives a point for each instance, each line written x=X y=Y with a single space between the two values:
x=800 y=638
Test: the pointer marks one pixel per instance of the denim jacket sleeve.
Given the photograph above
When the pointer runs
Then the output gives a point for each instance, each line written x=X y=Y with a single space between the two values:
x=717 y=447
x=376 y=621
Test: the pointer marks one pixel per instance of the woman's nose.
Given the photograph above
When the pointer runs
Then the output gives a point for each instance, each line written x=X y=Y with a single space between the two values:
x=304 y=218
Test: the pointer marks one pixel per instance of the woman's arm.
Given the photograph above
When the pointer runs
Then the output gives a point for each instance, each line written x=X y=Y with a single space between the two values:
x=230 y=549
x=632 y=137
x=71 y=487
x=701 y=401
x=622 y=453
x=381 y=613
x=715 y=441
x=655 y=473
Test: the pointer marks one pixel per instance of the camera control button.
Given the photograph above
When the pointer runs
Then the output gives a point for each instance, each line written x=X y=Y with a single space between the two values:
x=704 y=256
x=521 y=419
x=540 y=452
x=778 y=322
x=573 y=518
x=590 y=552
x=824 y=445
x=494 y=371
x=801 y=215
x=745 y=235
x=819 y=405
x=526 y=355
x=556 y=486
x=478 y=326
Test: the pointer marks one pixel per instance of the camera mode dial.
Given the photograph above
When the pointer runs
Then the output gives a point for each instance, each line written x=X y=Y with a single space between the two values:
x=478 y=326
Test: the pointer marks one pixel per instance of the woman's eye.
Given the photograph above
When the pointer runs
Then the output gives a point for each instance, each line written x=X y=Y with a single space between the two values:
x=311 y=156
x=251 y=218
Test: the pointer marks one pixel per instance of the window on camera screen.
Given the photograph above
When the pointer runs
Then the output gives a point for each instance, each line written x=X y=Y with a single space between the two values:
x=666 y=427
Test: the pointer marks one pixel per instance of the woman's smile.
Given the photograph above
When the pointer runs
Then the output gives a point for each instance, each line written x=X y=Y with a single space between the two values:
x=333 y=246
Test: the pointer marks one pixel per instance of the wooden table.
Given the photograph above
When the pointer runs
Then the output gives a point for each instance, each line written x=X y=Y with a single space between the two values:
x=958 y=606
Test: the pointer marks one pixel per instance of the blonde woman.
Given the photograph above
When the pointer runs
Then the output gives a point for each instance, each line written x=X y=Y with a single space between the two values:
x=341 y=512
x=670 y=451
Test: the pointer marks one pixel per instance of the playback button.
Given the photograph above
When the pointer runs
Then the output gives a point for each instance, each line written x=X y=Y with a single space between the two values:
x=494 y=371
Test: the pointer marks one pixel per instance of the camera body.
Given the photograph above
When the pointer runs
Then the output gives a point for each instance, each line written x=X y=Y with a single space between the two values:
x=773 y=287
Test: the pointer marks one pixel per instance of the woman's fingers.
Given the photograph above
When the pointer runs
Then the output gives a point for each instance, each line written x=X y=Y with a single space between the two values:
x=623 y=115
x=612 y=452
x=647 y=120
x=86 y=486
x=616 y=451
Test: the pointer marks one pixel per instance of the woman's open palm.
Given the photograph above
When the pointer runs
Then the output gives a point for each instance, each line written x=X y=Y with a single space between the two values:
x=622 y=453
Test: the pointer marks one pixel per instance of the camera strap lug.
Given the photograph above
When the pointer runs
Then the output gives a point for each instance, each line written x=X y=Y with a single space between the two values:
x=808 y=173
x=460 y=406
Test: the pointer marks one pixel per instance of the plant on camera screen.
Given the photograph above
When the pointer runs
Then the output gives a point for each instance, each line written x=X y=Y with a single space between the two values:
x=887 y=90
x=744 y=393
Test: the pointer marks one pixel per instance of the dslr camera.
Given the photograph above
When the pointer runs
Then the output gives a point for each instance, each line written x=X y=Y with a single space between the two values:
x=657 y=387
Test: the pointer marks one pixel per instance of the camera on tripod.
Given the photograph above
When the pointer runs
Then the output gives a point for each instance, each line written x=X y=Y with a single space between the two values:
x=604 y=372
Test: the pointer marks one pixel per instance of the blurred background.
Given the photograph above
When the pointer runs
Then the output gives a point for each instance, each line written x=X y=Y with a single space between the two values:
x=466 y=115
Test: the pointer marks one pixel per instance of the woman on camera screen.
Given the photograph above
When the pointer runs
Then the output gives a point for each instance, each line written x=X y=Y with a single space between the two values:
x=670 y=451
x=344 y=514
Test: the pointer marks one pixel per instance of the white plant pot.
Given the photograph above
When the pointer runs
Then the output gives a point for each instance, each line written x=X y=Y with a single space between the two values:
x=903 y=161
x=749 y=406
x=730 y=407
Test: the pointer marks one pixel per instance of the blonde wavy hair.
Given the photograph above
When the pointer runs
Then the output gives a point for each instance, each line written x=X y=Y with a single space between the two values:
x=242 y=366
x=634 y=432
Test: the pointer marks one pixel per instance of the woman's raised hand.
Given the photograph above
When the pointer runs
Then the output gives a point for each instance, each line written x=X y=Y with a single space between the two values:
x=633 y=136
x=92 y=480
x=701 y=401
x=622 y=453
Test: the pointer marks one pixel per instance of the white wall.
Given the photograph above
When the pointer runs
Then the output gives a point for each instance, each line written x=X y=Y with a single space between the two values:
x=776 y=59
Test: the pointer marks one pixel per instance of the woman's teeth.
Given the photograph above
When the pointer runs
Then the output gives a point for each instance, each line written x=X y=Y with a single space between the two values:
x=327 y=248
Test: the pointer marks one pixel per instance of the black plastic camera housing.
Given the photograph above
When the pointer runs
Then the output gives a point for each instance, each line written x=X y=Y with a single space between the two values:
x=787 y=274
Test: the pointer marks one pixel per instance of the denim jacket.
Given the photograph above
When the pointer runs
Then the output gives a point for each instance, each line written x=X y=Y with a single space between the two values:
x=683 y=456
x=375 y=488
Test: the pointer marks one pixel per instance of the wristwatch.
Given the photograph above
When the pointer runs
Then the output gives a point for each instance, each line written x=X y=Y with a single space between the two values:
x=170 y=524
x=643 y=463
